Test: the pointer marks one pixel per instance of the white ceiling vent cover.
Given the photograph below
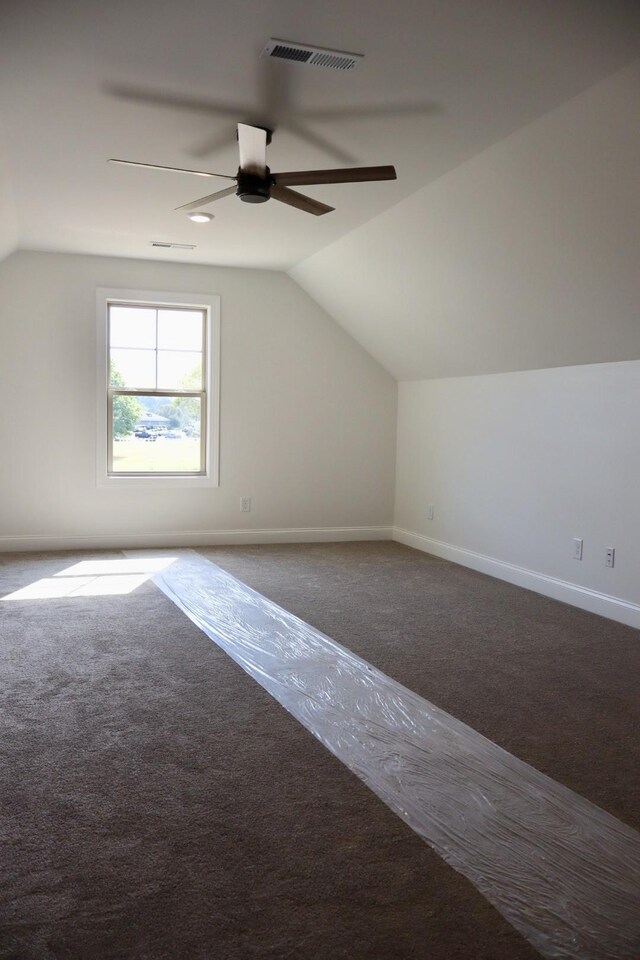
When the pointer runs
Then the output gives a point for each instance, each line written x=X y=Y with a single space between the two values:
x=311 y=56
x=173 y=246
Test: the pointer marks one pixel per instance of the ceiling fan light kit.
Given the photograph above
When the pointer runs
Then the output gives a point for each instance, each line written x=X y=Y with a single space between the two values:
x=256 y=184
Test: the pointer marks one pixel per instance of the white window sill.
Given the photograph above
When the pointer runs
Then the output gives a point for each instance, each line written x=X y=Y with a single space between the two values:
x=155 y=483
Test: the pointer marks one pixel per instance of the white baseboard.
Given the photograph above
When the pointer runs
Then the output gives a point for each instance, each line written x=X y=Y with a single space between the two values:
x=191 y=538
x=601 y=603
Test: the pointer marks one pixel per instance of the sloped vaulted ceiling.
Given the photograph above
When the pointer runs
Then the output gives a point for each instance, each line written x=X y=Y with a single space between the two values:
x=478 y=258
x=165 y=82
x=526 y=256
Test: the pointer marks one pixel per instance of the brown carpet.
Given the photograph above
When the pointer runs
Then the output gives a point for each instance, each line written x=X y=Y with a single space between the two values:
x=554 y=685
x=157 y=803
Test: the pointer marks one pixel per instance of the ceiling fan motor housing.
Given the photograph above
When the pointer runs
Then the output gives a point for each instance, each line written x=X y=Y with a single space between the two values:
x=253 y=188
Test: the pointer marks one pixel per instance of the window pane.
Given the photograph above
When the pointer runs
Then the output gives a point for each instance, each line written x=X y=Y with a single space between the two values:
x=180 y=329
x=156 y=434
x=179 y=369
x=132 y=327
x=133 y=368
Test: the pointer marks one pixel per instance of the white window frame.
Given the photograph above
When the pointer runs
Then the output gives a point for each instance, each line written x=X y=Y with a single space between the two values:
x=211 y=414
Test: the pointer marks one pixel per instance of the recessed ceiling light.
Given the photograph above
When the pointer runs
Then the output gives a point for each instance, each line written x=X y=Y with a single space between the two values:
x=200 y=217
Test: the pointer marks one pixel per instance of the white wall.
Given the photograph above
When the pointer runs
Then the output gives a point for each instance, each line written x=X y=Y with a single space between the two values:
x=518 y=464
x=8 y=220
x=307 y=417
x=524 y=257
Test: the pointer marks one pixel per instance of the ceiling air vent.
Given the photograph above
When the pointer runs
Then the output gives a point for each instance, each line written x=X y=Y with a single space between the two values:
x=311 y=56
x=173 y=246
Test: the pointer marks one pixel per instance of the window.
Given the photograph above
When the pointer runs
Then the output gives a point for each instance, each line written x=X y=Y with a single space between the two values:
x=159 y=361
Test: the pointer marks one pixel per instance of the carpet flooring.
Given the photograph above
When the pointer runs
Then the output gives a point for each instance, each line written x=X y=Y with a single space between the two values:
x=156 y=803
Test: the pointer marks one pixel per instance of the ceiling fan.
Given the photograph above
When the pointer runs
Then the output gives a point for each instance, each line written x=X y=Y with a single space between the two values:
x=254 y=182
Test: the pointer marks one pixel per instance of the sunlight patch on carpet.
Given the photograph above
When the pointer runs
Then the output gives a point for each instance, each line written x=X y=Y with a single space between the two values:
x=93 y=578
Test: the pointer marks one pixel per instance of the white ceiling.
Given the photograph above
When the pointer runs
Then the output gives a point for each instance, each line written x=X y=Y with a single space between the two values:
x=441 y=81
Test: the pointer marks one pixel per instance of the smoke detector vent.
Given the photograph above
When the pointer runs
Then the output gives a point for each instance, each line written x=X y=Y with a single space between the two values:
x=311 y=56
x=173 y=246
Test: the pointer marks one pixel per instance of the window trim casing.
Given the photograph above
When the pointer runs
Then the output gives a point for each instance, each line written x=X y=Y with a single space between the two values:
x=210 y=435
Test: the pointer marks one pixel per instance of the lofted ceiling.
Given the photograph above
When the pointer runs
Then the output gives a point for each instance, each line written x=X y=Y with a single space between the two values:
x=165 y=82
x=527 y=256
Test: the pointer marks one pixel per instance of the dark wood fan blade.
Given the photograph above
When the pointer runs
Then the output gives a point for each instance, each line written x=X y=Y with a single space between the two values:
x=326 y=145
x=300 y=201
x=208 y=199
x=380 y=110
x=155 y=166
x=347 y=175
x=164 y=98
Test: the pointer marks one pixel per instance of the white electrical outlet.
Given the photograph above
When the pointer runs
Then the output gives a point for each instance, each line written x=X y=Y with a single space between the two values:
x=430 y=512
x=577 y=548
x=245 y=505
x=610 y=556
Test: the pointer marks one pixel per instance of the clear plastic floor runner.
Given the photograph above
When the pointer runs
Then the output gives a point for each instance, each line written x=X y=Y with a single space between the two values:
x=562 y=871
